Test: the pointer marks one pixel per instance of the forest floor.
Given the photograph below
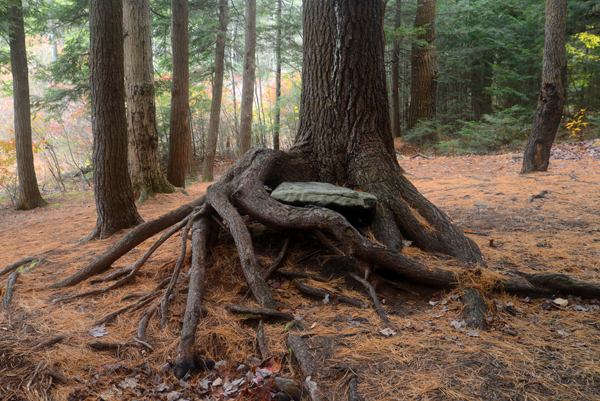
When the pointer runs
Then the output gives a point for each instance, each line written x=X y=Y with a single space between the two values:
x=536 y=349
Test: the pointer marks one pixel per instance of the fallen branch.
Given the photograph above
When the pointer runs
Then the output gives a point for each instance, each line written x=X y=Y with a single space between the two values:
x=475 y=309
x=51 y=341
x=129 y=308
x=376 y=303
x=260 y=312
x=323 y=293
x=271 y=269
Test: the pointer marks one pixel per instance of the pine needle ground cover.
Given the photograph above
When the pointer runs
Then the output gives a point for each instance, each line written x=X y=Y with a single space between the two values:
x=536 y=349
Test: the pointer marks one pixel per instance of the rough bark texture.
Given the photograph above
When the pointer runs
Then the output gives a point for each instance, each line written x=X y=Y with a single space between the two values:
x=423 y=86
x=217 y=92
x=180 y=138
x=396 y=132
x=144 y=168
x=29 y=193
x=115 y=203
x=248 y=78
x=553 y=92
x=345 y=126
x=277 y=121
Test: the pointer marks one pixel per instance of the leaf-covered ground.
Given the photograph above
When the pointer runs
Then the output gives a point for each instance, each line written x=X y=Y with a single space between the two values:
x=536 y=349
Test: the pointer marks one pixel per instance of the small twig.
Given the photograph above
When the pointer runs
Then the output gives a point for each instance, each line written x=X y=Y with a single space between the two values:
x=103 y=345
x=34 y=375
x=291 y=273
x=354 y=334
x=328 y=244
x=260 y=311
x=323 y=293
x=51 y=341
x=476 y=233
x=129 y=308
x=273 y=266
x=260 y=336
x=400 y=286
x=369 y=287
x=58 y=376
x=145 y=344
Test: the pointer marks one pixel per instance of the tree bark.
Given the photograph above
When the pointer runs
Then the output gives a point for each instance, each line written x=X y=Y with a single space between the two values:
x=180 y=163
x=217 y=92
x=423 y=88
x=248 y=78
x=396 y=131
x=277 y=122
x=553 y=92
x=345 y=126
x=29 y=193
x=115 y=203
x=144 y=168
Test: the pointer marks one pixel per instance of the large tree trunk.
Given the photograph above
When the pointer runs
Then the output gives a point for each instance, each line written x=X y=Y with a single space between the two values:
x=248 y=78
x=115 y=203
x=144 y=168
x=180 y=138
x=396 y=131
x=423 y=86
x=217 y=92
x=345 y=125
x=553 y=91
x=29 y=193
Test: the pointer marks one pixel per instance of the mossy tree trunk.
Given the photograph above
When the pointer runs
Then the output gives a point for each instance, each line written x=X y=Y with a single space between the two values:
x=144 y=168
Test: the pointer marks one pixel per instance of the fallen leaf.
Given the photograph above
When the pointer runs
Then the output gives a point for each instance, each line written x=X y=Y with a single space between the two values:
x=472 y=333
x=561 y=302
x=458 y=325
x=563 y=332
x=98 y=331
x=388 y=332
x=217 y=382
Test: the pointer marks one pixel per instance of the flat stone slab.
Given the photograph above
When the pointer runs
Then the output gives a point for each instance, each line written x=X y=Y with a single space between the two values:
x=322 y=194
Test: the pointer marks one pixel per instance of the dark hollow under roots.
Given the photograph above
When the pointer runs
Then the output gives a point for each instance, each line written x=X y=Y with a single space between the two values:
x=244 y=191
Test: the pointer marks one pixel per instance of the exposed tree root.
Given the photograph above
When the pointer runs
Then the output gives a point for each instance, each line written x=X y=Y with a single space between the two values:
x=402 y=213
x=186 y=358
x=10 y=288
x=265 y=313
x=290 y=273
x=475 y=311
x=19 y=263
x=51 y=341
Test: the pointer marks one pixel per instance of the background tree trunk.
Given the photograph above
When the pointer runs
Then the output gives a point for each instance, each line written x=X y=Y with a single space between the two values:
x=29 y=193
x=423 y=88
x=144 y=168
x=217 y=92
x=277 y=80
x=115 y=203
x=553 y=92
x=396 y=132
x=248 y=78
x=180 y=138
